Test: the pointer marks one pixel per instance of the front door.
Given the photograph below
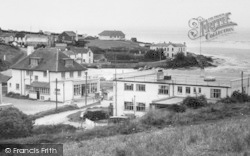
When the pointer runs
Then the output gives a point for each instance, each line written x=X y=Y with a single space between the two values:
x=37 y=95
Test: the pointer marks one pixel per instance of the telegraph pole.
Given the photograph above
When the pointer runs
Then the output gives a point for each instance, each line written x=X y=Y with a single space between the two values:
x=242 y=87
x=86 y=84
x=56 y=94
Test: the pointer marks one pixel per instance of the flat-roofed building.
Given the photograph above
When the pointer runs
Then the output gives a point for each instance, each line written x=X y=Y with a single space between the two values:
x=137 y=92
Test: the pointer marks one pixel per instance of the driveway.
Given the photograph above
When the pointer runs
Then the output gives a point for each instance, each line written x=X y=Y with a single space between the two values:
x=30 y=106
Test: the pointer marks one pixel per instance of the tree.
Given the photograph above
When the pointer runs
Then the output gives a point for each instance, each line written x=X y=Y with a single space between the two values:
x=14 y=124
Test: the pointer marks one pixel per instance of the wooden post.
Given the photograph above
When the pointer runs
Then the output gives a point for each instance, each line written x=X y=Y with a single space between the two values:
x=1 y=93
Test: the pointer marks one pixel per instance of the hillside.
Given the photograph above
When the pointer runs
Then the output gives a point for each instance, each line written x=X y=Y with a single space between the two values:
x=229 y=137
x=107 y=44
x=13 y=54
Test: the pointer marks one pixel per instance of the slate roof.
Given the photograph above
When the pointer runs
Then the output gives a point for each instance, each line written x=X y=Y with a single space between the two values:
x=99 y=56
x=40 y=84
x=112 y=33
x=4 y=78
x=70 y=33
x=49 y=59
x=82 y=50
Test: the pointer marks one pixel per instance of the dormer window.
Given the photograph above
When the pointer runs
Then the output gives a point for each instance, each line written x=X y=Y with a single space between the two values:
x=34 y=61
x=68 y=62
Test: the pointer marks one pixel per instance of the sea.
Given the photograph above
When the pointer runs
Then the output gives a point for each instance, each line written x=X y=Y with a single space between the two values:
x=231 y=50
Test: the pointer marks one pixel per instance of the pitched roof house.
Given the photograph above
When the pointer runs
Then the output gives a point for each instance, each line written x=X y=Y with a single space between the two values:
x=48 y=72
x=67 y=37
x=80 y=54
x=111 y=35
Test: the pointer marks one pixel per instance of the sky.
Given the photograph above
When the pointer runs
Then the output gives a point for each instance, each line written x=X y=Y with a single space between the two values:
x=93 y=16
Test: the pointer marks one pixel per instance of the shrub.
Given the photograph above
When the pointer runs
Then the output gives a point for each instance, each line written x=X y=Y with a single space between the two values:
x=176 y=108
x=239 y=97
x=14 y=123
x=53 y=129
x=195 y=102
x=96 y=115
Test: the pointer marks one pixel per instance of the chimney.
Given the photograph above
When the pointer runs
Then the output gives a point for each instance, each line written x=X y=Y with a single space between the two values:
x=160 y=75
x=30 y=50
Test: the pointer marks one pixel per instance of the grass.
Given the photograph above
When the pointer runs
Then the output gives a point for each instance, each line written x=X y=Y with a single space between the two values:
x=231 y=137
x=107 y=44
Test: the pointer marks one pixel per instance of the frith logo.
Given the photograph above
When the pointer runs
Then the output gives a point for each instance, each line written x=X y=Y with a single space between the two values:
x=210 y=28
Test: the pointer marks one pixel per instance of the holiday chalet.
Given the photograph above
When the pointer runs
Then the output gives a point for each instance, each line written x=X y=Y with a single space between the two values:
x=48 y=72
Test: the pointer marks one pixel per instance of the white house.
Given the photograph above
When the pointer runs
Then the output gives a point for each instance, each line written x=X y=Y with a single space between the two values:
x=80 y=55
x=35 y=39
x=111 y=35
x=136 y=93
x=170 y=49
x=47 y=72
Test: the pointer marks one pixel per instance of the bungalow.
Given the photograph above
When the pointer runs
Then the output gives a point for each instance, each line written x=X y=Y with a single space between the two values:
x=137 y=92
x=170 y=49
x=48 y=74
x=111 y=35
x=20 y=38
x=67 y=37
x=80 y=55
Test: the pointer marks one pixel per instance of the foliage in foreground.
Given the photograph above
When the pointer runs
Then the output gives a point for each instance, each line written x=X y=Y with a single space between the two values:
x=14 y=124
x=231 y=137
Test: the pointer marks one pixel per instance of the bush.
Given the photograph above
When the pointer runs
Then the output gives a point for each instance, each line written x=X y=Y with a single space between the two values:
x=236 y=96
x=53 y=129
x=176 y=108
x=195 y=102
x=96 y=115
x=14 y=123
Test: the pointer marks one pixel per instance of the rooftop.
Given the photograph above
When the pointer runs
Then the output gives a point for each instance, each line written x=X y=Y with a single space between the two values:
x=70 y=33
x=112 y=33
x=49 y=59
x=177 y=79
x=164 y=44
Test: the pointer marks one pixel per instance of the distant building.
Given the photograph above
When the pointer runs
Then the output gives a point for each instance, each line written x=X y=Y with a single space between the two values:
x=36 y=77
x=7 y=37
x=111 y=35
x=80 y=55
x=20 y=38
x=137 y=92
x=67 y=37
x=170 y=49
x=36 y=39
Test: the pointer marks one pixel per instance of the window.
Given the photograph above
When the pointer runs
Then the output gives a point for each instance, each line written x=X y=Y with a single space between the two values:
x=79 y=73
x=44 y=74
x=168 y=49
x=63 y=74
x=27 y=73
x=128 y=106
x=17 y=86
x=194 y=90
x=215 y=93
x=68 y=62
x=172 y=49
x=179 y=90
x=93 y=88
x=71 y=74
x=140 y=87
x=33 y=62
x=77 y=89
x=199 y=90
x=36 y=78
x=141 y=107
x=128 y=86
x=31 y=73
x=188 y=90
x=10 y=84
x=27 y=87
x=163 y=89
